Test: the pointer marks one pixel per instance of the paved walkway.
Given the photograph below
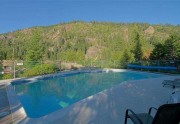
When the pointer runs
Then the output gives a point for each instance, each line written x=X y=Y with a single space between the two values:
x=109 y=106
x=4 y=106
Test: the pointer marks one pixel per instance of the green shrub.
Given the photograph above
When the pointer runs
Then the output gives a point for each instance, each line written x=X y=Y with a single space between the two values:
x=46 y=69
x=7 y=76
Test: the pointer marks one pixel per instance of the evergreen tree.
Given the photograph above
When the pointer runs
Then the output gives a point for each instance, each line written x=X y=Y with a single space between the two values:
x=127 y=55
x=158 y=52
x=35 y=50
x=170 y=50
x=138 y=48
x=172 y=46
x=117 y=44
x=71 y=55
x=80 y=55
x=115 y=57
x=105 y=54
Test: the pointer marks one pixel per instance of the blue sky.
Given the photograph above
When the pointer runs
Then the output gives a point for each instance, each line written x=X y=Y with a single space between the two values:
x=19 y=14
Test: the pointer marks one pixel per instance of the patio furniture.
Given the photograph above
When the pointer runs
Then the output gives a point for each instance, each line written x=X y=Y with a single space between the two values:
x=175 y=85
x=166 y=114
x=174 y=98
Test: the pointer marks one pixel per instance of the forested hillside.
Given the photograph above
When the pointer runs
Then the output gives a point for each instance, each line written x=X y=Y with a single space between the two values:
x=79 y=40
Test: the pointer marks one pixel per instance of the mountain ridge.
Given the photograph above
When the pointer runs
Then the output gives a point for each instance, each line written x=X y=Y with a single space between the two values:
x=79 y=40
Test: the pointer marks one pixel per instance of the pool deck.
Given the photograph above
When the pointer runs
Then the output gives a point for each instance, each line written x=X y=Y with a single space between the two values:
x=107 y=107
x=4 y=106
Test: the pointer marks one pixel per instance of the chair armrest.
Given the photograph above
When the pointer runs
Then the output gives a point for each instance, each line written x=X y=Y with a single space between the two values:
x=151 y=109
x=165 y=82
x=133 y=115
x=177 y=79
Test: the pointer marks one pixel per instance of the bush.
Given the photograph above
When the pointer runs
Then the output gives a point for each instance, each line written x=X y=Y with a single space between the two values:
x=46 y=69
x=8 y=76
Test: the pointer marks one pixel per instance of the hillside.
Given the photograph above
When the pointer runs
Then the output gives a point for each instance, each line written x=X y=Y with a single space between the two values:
x=79 y=40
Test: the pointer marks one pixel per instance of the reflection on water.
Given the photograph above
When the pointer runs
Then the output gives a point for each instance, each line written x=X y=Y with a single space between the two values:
x=48 y=95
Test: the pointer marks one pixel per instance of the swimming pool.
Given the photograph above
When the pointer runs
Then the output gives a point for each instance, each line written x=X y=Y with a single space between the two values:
x=50 y=94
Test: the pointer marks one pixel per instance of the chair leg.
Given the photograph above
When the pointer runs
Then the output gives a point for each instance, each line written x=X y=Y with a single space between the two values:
x=125 y=121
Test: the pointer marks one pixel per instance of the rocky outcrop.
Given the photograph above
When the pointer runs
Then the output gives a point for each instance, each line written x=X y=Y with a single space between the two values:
x=149 y=30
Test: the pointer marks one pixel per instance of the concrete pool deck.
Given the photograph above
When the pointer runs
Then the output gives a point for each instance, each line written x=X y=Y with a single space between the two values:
x=4 y=106
x=107 y=107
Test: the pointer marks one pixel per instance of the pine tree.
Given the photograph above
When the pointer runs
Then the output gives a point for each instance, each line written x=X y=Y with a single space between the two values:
x=80 y=55
x=158 y=52
x=35 y=50
x=138 y=48
x=70 y=55
x=127 y=55
x=172 y=47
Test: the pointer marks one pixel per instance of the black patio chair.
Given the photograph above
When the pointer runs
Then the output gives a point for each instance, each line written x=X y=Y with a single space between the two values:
x=166 y=114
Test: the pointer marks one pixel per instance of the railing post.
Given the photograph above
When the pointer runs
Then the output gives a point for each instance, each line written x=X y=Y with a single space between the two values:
x=14 y=71
x=91 y=63
x=158 y=66
x=114 y=64
x=60 y=66
x=41 y=69
x=65 y=66
x=141 y=65
x=127 y=64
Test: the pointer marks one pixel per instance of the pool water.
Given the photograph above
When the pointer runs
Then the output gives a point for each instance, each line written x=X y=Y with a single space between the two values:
x=51 y=94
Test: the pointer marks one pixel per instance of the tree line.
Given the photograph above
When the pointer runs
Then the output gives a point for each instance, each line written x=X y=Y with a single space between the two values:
x=112 y=41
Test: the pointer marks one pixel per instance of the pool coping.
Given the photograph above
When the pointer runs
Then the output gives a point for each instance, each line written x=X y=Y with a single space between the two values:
x=18 y=112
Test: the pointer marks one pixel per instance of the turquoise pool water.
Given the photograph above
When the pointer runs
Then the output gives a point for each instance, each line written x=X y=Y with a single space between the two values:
x=50 y=94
